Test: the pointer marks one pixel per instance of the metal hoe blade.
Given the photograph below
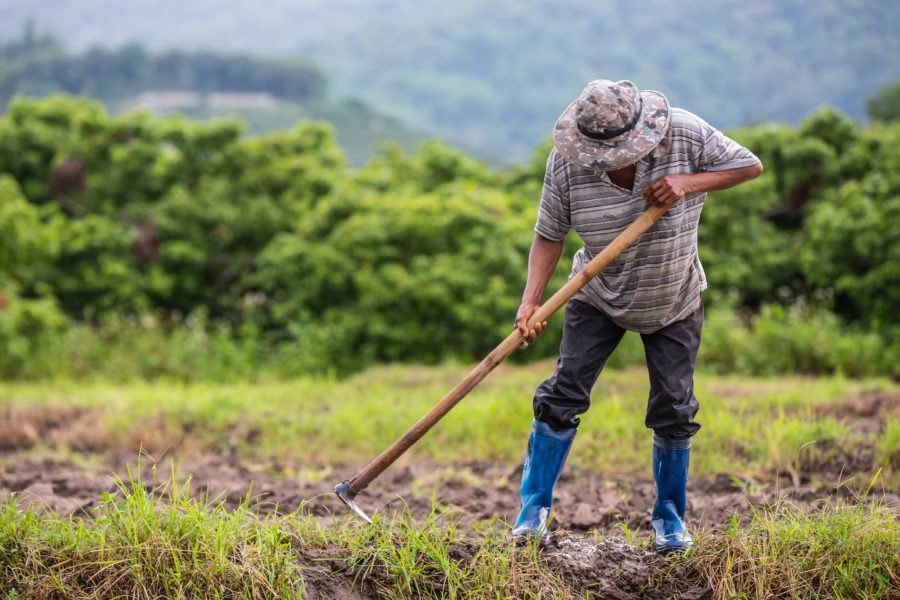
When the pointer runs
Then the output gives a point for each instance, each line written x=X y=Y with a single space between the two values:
x=348 y=497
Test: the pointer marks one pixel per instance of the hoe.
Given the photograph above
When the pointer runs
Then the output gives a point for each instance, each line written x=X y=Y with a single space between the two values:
x=348 y=490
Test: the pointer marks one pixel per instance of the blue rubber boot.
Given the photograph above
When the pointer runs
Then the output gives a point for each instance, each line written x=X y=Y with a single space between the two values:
x=547 y=452
x=670 y=471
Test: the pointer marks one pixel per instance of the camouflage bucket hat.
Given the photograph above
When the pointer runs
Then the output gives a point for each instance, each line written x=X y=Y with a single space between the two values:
x=611 y=125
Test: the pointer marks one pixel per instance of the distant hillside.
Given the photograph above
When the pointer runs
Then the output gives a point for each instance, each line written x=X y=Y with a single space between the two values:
x=494 y=76
x=358 y=128
x=268 y=94
x=37 y=64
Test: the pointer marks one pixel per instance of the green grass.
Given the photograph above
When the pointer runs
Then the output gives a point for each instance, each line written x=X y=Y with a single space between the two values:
x=753 y=426
x=137 y=546
x=843 y=551
x=889 y=445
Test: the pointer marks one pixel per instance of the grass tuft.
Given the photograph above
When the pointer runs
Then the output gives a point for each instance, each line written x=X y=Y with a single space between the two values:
x=403 y=558
x=842 y=551
x=137 y=546
x=152 y=542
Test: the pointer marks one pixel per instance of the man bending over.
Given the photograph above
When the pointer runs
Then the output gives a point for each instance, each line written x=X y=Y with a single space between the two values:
x=616 y=149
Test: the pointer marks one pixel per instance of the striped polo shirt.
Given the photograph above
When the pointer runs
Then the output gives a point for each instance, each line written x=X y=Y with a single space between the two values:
x=659 y=279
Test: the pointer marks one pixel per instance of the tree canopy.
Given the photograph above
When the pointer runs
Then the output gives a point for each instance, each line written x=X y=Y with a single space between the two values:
x=413 y=257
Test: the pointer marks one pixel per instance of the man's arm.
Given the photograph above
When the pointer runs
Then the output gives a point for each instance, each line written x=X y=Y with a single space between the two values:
x=665 y=191
x=542 y=261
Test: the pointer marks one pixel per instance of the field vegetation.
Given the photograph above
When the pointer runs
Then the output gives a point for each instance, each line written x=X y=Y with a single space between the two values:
x=817 y=458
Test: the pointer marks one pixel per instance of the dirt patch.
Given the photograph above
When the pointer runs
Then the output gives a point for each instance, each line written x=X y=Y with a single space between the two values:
x=59 y=486
x=865 y=413
x=24 y=426
x=325 y=577
x=82 y=429
x=833 y=460
x=615 y=569
x=609 y=569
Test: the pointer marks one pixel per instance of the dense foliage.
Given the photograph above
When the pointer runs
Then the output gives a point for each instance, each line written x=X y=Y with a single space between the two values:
x=493 y=76
x=166 y=237
x=885 y=105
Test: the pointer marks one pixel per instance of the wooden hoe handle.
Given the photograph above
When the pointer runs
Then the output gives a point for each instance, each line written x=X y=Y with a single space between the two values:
x=505 y=348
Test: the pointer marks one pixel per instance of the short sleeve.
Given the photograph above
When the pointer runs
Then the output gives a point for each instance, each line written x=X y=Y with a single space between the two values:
x=553 y=222
x=719 y=152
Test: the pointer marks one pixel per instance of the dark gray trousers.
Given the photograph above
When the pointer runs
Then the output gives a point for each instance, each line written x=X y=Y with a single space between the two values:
x=589 y=338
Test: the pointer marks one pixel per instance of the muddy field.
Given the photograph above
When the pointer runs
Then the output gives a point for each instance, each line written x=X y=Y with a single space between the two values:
x=476 y=491
x=590 y=511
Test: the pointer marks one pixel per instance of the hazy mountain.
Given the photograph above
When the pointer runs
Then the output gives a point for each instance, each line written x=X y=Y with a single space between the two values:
x=494 y=76
x=266 y=94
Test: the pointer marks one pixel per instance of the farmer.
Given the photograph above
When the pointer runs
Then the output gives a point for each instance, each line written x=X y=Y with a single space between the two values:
x=616 y=150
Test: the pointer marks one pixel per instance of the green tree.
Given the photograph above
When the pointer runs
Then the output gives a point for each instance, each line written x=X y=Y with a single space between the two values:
x=852 y=242
x=401 y=277
x=27 y=243
x=885 y=105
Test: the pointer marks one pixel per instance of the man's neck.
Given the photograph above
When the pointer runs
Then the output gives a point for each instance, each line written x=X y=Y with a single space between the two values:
x=624 y=177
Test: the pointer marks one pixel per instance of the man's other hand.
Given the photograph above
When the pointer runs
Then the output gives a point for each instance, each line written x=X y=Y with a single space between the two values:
x=525 y=311
x=667 y=190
